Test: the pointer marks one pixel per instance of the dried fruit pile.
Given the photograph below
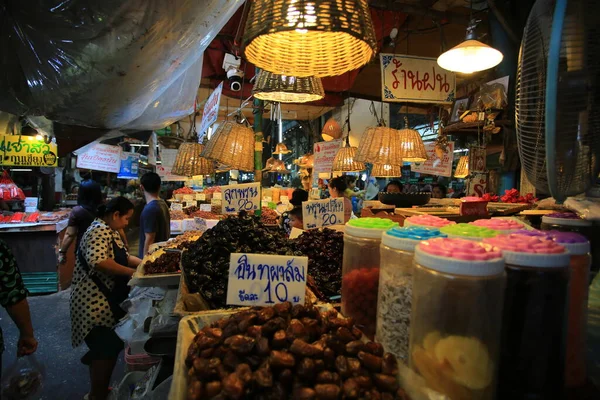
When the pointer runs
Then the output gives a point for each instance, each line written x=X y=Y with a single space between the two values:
x=190 y=210
x=286 y=352
x=184 y=190
x=206 y=215
x=268 y=216
x=324 y=249
x=359 y=297
x=166 y=263
x=206 y=263
x=177 y=215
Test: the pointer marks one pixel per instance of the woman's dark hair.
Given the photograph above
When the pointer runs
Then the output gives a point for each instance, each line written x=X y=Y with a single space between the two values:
x=118 y=204
x=338 y=184
x=350 y=179
x=296 y=212
x=298 y=196
x=89 y=195
x=397 y=183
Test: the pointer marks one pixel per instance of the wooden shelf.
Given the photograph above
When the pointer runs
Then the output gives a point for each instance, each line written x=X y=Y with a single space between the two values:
x=471 y=126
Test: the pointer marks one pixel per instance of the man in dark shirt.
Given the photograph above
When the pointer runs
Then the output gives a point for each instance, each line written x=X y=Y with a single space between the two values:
x=155 y=221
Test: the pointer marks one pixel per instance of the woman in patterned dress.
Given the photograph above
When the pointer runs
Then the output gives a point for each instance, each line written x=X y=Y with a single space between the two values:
x=100 y=279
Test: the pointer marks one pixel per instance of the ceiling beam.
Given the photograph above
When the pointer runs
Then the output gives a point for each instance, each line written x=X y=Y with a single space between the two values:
x=419 y=9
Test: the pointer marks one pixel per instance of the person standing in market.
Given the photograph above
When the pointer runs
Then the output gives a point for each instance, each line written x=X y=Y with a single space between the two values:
x=337 y=187
x=89 y=197
x=298 y=197
x=155 y=221
x=13 y=297
x=99 y=286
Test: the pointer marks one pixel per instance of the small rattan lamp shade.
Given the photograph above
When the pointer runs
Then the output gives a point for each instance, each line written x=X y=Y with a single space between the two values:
x=287 y=89
x=383 y=170
x=331 y=130
x=380 y=145
x=189 y=161
x=309 y=38
x=233 y=145
x=462 y=168
x=281 y=148
x=411 y=145
x=279 y=167
x=344 y=160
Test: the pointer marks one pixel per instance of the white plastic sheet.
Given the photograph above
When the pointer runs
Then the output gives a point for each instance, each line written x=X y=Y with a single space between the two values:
x=133 y=64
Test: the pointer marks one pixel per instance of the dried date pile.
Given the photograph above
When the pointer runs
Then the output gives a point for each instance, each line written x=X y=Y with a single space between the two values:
x=206 y=262
x=190 y=210
x=286 y=352
x=166 y=263
x=268 y=216
x=324 y=249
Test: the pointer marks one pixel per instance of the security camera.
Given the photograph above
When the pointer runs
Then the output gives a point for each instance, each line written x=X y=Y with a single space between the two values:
x=231 y=65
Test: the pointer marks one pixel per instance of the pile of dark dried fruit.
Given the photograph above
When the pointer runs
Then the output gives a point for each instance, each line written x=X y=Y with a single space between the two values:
x=166 y=263
x=284 y=352
x=190 y=210
x=206 y=262
x=324 y=249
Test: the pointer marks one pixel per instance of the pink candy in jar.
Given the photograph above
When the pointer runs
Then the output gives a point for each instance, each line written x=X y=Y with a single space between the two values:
x=499 y=224
x=427 y=221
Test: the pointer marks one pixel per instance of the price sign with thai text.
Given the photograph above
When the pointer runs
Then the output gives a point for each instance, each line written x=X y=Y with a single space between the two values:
x=211 y=111
x=176 y=206
x=236 y=198
x=263 y=280
x=320 y=213
x=324 y=155
x=206 y=207
x=101 y=157
x=438 y=163
x=200 y=197
x=415 y=79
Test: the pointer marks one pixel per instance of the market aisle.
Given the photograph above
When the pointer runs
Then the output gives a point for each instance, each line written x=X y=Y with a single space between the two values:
x=66 y=377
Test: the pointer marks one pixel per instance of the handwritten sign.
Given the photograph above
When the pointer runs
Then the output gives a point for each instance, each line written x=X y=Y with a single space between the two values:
x=206 y=207
x=236 y=198
x=188 y=197
x=416 y=79
x=320 y=213
x=27 y=151
x=434 y=164
x=262 y=280
x=211 y=111
x=200 y=197
x=101 y=157
x=176 y=206
x=324 y=155
x=477 y=185
x=217 y=196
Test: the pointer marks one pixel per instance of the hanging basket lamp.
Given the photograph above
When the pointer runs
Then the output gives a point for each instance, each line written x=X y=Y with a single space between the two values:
x=279 y=167
x=233 y=145
x=462 y=168
x=189 y=161
x=380 y=145
x=411 y=144
x=309 y=38
x=281 y=148
x=383 y=171
x=331 y=130
x=345 y=158
x=287 y=89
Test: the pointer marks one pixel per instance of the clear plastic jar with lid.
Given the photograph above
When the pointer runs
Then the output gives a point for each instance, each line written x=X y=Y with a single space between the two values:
x=581 y=260
x=458 y=291
x=534 y=325
x=395 y=286
x=468 y=231
x=360 y=270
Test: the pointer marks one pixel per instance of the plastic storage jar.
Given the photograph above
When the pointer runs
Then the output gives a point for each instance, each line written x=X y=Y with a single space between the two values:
x=427 y=221
x=581 y=260
x=395 y=286
x=501 y=225
x=360 y=270
x=468 y=231
x=534 y=325
x=458 y=292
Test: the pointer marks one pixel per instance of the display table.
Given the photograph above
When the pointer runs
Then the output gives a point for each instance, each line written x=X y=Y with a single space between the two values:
x=34 y=246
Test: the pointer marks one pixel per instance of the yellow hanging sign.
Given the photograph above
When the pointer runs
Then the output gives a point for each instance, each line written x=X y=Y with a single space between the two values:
x=27 y=151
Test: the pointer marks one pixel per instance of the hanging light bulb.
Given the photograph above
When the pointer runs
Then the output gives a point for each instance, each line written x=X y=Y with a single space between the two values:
x=462 y=168
x=471 y=55
x=345 y=158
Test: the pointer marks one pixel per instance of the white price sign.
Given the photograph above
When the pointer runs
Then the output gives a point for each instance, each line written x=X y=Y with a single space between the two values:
x=238 y=198
x=217 y=196
x=205 y=207
x=188 y=197
x=320 y=213
x=176 y=206
x=262 y=280
x=200 y=197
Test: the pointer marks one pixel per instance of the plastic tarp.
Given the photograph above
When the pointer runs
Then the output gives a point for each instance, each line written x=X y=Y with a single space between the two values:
x=127 y=64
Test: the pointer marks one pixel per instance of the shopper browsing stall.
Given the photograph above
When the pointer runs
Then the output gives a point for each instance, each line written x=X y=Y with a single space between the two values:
x=155 y=221
x=298 y=196
x=337 y=187
x=99 y=285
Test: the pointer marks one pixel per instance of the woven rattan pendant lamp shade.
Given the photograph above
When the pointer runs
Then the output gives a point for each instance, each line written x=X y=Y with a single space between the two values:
x=287 y=89
x=383 y=170
x=279 y=167
x=462 y=168
x=345 y=161
x=380 y=145
x=281 y=148
x=233 y=145
x=189 y=161
x=309 y=38
x=411 y=144
x=331 y=130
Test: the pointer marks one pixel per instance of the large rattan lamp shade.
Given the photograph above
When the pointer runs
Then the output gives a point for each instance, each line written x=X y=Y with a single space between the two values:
x=383 y=170
x=345 y=160
x=413 y=149
x=287 y=89
x=233 y=145
x=309 y=38
x=380 y=145
x=189 y=161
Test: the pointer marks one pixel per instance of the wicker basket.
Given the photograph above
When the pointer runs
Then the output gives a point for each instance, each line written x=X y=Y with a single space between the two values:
x=413 y=149
x=380 y=145
x=345 y=160
x=309 y=38
x=190 y=163
x=233 y=145
x=287 y=89
x=383 y=170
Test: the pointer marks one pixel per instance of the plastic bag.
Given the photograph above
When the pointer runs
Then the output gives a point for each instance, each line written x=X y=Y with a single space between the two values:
x=9 y=190
x=106 y=64
x=23 y=379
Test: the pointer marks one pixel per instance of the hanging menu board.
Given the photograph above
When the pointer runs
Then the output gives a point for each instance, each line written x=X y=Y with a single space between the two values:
x=101 y=157
x=236 y=198
x=320 y=213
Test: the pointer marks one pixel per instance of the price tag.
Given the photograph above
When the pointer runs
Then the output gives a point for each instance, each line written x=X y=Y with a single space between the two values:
x=200 y=197
x=320 y=213
x=190 y=203
x=262 y=280
x=217 y=195
x=188 y=197
x=238 y=198
x=215 y=202
x=176 y=206
x=206 y=207
x=284 y=200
